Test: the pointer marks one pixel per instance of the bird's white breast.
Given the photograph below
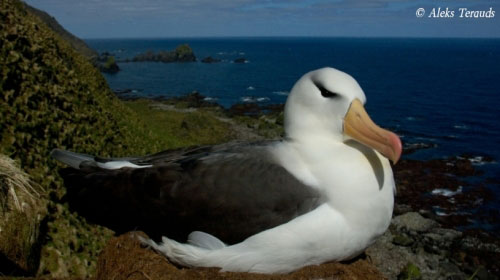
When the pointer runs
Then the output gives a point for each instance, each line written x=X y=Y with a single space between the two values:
x=357 y=182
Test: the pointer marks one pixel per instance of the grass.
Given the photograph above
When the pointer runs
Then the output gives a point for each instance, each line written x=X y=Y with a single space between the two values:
x=13 y=182
x=173 y=129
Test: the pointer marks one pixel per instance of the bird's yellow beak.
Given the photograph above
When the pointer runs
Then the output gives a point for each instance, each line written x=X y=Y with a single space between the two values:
x=359 y=126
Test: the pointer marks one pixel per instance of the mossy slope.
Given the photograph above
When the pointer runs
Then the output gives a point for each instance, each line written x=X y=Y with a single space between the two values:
x=51 y=96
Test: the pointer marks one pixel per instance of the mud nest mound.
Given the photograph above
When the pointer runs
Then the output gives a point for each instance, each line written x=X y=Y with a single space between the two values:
x=126 y=258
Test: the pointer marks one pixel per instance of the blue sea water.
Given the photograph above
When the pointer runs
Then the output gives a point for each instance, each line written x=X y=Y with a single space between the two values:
x=443 y=92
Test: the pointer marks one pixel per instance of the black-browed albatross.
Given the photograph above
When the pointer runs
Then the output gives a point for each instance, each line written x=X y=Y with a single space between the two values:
x=323 y=193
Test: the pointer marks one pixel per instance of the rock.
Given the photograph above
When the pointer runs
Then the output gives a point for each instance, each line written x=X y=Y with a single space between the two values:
x=413 y=221
x=109 y=66
x=125 y=258
x=429 y=251
x=400 y=209
x=410 y=272
x=442 y=238
x=245 y=109
x=210 y=59
x=474 y=243
x=482 y=274
x=22 y=211
x=438 y=188
x=402 y=240
x=240 y=60
x=183 y=53
x=410 y=148
x=191 y=100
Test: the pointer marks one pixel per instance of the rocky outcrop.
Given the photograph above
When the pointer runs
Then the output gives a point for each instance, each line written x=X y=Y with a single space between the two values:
x=240 y=60
x=183 y=53
x=436 y=252
x=210 y=59
x=108 y=65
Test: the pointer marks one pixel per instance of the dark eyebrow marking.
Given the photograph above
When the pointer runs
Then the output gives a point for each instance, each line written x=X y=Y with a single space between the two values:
x=326 y=93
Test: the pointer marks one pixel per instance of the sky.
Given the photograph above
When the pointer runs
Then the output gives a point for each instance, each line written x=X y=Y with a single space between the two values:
x=318 y=18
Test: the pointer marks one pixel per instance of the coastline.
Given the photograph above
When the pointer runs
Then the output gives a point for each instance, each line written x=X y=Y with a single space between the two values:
x=54 y=98
x=453 y=245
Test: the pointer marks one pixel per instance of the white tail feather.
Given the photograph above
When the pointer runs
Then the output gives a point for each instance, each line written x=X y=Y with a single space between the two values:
x=205 y=240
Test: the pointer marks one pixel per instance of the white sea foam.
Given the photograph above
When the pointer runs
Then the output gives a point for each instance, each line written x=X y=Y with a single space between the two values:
x=447 y=192
x=460 y=126
x=247 y=99
x=479 y=160
x=284 y=93
x=250 y=99
x=442 y=214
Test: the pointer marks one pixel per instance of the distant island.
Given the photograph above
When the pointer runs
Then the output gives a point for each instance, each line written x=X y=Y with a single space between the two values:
x=210 y=59
x=183 y=53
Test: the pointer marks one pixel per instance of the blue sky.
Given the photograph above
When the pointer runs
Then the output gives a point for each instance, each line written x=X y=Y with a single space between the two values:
x=207 y=18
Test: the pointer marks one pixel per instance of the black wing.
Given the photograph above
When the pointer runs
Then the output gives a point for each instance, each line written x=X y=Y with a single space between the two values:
x=231 y=191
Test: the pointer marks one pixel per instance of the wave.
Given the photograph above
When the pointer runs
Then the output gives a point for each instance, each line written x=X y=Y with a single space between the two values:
x=479 y=160
x=283 y=93
x=460 y=126
x=251 y=99
x=447 y=192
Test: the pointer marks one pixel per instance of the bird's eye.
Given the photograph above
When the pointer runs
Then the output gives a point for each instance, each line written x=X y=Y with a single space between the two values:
x=326 y=93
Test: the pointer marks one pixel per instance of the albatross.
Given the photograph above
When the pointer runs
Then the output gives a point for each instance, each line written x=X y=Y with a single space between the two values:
x=323 y=193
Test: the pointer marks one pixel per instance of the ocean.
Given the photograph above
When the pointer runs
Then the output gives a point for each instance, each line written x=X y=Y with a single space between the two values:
x=441 y=92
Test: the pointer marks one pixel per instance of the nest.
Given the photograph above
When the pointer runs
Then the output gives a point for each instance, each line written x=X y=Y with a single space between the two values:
x=126 y=258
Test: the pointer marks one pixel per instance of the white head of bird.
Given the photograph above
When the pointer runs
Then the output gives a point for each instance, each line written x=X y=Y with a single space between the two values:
x=328 y=104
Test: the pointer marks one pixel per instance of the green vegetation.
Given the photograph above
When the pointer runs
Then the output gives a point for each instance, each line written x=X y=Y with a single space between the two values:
x=52 y=97
x=268 y=126
x=77 y=43
x=111 y=60
x=410 y=272
x=176 y=128
x=109 y=65
x=21 y=210
x=183 y=53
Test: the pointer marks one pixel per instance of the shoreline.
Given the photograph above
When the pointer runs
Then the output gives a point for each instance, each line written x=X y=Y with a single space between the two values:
x=444 y=182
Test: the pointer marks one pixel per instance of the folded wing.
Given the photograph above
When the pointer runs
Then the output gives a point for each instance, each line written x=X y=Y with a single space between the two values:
x=231 y=191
